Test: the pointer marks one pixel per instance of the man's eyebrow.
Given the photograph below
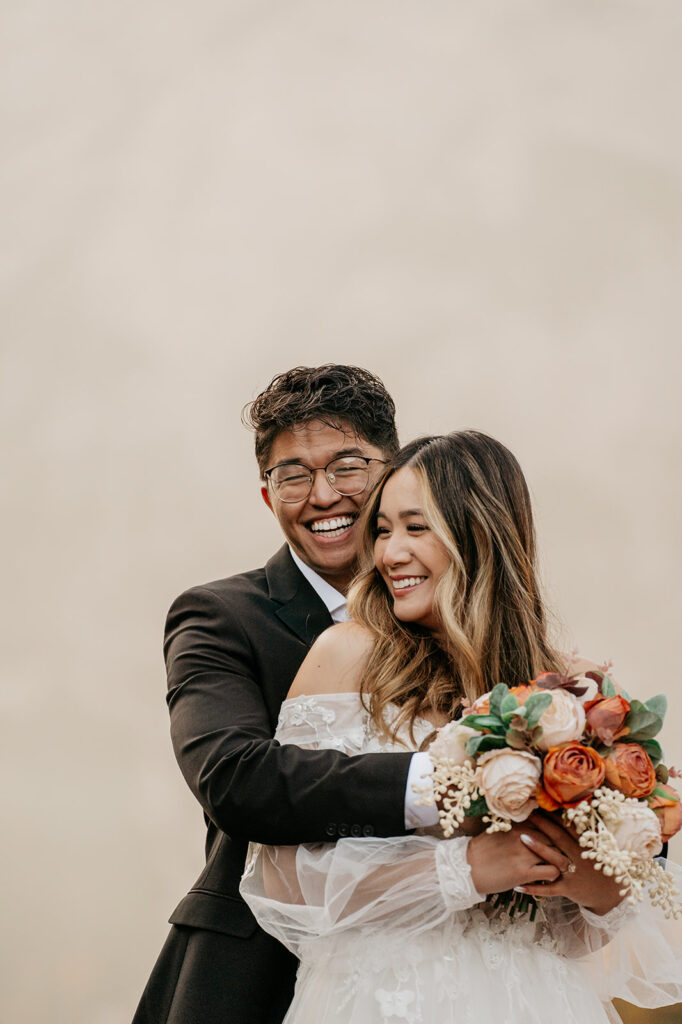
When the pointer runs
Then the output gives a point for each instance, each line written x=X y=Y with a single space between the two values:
x=337 y=455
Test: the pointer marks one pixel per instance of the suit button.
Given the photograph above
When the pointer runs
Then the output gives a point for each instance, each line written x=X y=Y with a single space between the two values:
x=343 y=829
x=331 y=830
x=367 y=830
x=355 y=830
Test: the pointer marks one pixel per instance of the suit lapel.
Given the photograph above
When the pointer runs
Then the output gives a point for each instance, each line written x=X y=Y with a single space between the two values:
x=300 y=608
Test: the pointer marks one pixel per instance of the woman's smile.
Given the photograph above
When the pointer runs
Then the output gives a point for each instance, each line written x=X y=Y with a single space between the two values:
x=409 y=555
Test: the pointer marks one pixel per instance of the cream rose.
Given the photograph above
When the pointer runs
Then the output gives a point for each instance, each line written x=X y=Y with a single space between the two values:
x=509 y=780
x=450 y=743
x=591 y=689
x=563 y=721
x=639 y=834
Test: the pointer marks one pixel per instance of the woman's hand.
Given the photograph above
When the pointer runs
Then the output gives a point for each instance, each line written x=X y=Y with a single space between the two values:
x=520 y=857
x=578 y=880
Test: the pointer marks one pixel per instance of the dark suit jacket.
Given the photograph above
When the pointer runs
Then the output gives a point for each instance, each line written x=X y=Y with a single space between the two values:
x=232 y=649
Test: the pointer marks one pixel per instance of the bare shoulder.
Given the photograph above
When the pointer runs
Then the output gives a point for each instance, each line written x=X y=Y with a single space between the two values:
x=335 y=662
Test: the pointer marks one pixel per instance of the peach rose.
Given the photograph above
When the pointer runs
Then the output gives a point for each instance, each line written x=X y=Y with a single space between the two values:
x=629 y=769
x=666 y=804
x=509 y=780
x=563 y=720
x=571 y=772
x=639 y=834
x=606 y=717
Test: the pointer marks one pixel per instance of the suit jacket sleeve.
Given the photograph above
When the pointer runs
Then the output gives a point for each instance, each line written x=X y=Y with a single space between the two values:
x=249 y=785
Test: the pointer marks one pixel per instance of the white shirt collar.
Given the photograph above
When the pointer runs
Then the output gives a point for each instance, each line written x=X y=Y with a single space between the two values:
x=334 y=601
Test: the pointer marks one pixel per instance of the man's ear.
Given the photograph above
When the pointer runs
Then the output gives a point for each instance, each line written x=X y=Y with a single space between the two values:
x=265 y=495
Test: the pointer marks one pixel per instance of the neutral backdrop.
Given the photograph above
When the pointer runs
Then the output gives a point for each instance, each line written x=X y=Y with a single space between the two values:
x=479 y=202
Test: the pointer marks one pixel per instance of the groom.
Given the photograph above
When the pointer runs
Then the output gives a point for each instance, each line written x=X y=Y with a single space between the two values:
x=232 y=649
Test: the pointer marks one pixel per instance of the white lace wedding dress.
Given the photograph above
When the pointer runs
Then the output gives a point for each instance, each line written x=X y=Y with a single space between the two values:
x=392 y=930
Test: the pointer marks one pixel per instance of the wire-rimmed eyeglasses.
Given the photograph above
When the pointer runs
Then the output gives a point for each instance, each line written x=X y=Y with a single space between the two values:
x=347 y=475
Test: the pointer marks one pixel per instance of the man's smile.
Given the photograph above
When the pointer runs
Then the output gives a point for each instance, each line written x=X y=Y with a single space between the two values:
x=329 y=528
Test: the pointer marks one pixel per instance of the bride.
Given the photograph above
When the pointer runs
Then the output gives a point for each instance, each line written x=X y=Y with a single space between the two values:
x=399 y=929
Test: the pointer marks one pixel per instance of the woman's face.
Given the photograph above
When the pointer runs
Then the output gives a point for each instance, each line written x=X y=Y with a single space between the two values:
x=409 y=556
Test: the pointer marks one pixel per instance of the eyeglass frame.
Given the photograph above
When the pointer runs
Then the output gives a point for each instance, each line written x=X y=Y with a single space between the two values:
x=323 y=469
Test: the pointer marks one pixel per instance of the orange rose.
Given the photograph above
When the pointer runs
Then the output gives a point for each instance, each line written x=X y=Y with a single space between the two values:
x=571 y=772
x=629 y=769
x=606 y=717
x=667 y=806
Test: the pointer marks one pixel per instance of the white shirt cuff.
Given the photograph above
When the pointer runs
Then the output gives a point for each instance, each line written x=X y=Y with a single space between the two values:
x=420 y=815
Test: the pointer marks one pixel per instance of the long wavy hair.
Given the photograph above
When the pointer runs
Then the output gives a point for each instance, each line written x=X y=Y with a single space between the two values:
x=492 y=619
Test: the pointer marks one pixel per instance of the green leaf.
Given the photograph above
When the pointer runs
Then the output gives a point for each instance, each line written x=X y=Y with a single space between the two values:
x=535 y=707
x=657 y=704
x=497 y=695
x=659 y=791
x=481 y=722
x=608 y=687
x=509 y=705
x=477 y=808
x=479 y=744
x=642 y=723
x=653 y=749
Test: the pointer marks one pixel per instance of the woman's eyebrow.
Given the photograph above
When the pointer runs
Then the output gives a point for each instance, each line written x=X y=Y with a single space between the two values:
x=402 y=515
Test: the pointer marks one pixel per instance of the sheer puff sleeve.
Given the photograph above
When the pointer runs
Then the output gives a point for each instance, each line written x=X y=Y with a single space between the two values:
x=408 y=883
x=632 y=953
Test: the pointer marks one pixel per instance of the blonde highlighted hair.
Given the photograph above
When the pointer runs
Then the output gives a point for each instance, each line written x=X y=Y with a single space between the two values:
x=493 y=623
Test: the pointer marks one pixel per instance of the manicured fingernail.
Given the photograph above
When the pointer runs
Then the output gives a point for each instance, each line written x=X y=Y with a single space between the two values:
x=525 y=838
x=519 y=888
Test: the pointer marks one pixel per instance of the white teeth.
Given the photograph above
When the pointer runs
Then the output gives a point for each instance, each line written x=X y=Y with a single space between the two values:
x=409 y=581
x=329 y=525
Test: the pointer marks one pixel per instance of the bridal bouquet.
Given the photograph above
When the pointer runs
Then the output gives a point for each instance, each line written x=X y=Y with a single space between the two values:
x=575 y=745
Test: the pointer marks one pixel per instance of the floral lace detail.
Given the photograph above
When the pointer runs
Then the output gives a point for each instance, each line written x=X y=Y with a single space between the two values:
x=336 y=721
x=396 y=1004
x=454 y=874
x=305 y=711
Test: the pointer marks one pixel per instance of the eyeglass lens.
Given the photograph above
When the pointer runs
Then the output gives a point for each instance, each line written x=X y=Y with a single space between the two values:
x=347 y=475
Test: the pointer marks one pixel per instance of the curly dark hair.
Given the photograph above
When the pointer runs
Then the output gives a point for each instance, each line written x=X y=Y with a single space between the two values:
x=333 y=393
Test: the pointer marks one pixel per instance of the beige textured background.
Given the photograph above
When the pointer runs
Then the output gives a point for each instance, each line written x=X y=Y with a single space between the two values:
x=480 y=202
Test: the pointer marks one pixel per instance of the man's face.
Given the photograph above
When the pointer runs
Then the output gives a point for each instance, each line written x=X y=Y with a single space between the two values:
x=332 y=553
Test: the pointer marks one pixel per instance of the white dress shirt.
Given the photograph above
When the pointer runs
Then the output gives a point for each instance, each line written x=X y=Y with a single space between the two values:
x=416 y=815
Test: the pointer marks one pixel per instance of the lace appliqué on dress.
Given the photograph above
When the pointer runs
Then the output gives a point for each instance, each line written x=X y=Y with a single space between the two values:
x=310 y=721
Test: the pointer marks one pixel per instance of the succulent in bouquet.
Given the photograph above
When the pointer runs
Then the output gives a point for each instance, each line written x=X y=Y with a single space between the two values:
x=577 y=746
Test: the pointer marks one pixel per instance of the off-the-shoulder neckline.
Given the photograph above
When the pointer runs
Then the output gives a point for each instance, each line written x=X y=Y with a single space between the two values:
x=319 y=696
x=350 y=693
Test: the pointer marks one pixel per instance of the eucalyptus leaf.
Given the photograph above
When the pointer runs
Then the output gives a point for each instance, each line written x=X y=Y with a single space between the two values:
x=653 y=749
x=664 y=794
x=509 y=705
x=642 y=723
x=535 y=707
x=479 y=744
x=497 y=695
x=608 y=687
x=657 y=704
x=481 y=722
